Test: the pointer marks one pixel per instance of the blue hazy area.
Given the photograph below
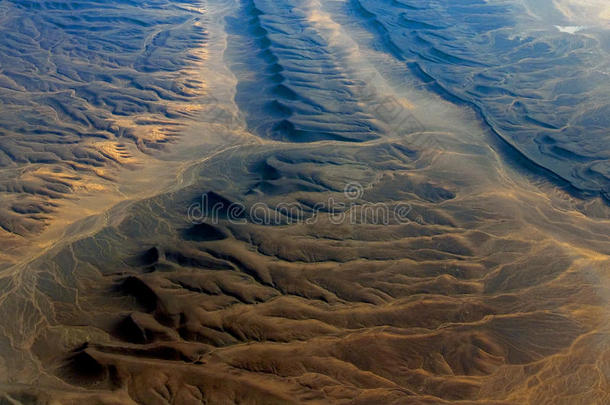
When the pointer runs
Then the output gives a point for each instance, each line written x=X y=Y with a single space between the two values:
x=545 y=92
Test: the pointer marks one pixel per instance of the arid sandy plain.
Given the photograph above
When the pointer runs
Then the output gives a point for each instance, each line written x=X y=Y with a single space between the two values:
x=304 y=202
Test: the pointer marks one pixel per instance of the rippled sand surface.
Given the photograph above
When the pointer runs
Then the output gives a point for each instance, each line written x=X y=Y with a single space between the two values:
x=407 y=202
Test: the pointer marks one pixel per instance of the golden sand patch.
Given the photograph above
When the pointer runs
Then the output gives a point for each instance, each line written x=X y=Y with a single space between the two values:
x=115 y=151
x=74 y=181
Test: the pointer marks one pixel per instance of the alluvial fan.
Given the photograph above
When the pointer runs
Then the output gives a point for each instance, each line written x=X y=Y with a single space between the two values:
x=341 y=202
